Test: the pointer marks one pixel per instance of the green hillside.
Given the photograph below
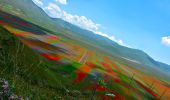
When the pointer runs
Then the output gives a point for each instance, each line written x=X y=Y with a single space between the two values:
x=90 y=40
x=90 y=64
x=29 y=74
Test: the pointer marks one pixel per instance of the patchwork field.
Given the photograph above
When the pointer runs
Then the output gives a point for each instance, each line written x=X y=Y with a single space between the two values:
x=85 y=69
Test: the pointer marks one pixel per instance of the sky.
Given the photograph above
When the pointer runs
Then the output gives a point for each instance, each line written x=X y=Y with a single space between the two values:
x=139 y=24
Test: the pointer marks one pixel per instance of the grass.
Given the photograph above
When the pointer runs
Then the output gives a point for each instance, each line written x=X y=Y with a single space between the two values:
x=35 y=77
x=29 y=74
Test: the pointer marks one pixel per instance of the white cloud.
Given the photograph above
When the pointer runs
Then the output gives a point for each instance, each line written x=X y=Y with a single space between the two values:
x=119 y=41
x=166 y=40
x=38 y=2
x=64 y=2
x=54 y=11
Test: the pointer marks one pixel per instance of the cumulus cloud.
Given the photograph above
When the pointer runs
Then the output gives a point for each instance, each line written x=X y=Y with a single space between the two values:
x=54 y=11
x=166 y=40
x=38 y=2
x=64 y=2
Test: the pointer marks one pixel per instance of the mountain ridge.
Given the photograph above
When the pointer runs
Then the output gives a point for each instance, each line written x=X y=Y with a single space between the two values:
x=60 y=26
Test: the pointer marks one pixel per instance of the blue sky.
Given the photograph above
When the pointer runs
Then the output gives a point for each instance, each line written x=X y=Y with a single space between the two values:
x=140 y=24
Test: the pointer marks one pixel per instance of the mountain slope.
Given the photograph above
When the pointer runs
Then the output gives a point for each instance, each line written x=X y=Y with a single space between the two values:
x=111 y=47
x=37 y=16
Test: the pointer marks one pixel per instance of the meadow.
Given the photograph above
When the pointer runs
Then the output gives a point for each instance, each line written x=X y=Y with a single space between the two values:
x=43 y=65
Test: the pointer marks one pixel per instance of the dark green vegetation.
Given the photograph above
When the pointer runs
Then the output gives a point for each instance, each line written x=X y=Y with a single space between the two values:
x=31 y=76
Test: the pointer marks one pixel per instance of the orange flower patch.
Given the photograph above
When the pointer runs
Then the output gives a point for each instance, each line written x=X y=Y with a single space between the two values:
x=21 y=34
x=91 y=65
x=51 y=57
x=82 y=72
x=52 y=37
x=147 y=89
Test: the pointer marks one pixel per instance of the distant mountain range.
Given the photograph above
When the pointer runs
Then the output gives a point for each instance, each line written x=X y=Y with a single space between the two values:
x=27 y=10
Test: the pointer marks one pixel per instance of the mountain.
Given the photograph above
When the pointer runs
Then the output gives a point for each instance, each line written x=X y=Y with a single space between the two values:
x=113 y=48
x=27 y=10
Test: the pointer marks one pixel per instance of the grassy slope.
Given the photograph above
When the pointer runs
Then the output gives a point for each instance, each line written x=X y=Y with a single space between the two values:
x=30 y=75
x=22 y=70
x=37 y=79
x=38 y=74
